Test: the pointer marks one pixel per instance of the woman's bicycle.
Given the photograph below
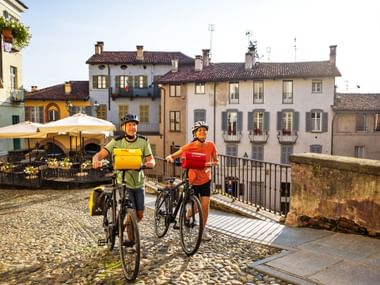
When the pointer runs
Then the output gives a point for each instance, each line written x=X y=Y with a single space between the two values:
x=180 y=198
x=119 y=219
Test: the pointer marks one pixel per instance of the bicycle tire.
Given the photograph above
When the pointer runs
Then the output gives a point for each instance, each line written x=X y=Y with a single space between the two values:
x=109 y=224
x=192 y=230
x=161 y=215
x=129 y=245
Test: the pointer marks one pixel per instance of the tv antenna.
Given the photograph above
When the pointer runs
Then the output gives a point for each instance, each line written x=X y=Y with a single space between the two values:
x=295 y=49
x=211 y=29
x=269 y=50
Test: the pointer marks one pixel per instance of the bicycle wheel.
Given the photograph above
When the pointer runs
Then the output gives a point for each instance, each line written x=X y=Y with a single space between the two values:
x=191 y=228
x=109 y=224
x=161 y=215
x=129 y=239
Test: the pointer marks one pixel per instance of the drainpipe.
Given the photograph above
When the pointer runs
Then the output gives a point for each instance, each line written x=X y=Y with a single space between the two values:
x=214 y=113
x=163 y=121
x=109 y=88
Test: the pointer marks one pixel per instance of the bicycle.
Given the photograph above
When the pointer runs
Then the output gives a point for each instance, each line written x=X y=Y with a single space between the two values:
x=171 y=201
x=118 y=207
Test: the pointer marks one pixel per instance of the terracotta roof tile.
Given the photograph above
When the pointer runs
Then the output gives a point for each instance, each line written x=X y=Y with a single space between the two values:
x=357 y=102
x=218 y=72
x=129 y=57
x=79 y=91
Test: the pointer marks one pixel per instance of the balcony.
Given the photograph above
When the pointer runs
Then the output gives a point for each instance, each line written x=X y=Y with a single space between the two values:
x=17 y=95
x=132 y=93
x=258 y=136
x=149 y=129
x=232 y=136
x=287 y=137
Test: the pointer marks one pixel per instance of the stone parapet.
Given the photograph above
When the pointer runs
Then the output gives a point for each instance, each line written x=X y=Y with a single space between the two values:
x=335 y=193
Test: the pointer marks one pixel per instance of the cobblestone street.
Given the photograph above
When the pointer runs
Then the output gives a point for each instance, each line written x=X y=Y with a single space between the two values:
x=48 y=237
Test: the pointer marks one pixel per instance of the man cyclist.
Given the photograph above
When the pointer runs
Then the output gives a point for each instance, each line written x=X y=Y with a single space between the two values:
x=134 y=179
x=200 y=179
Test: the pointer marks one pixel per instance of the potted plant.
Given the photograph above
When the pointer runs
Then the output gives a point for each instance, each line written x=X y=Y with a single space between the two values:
x=15 y=32
x=31 y=172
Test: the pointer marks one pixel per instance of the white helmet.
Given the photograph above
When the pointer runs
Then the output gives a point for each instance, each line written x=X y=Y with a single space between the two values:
x=197 y=125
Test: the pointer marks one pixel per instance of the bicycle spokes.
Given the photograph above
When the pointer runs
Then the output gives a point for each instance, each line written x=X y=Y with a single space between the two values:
x=161 y=216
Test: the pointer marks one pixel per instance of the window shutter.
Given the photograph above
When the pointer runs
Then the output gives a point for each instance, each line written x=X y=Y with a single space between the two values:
x=325 y=122
x=296 y=121
x=145 y=81
x=308 y=122
x=250 y=121
x=94 y=82
x=279 y=121
x=224 y=121
x=41 y=115
x=240 y=121
x=266 y=121
x=107 y=81
x=130 y=82
x=117 y=81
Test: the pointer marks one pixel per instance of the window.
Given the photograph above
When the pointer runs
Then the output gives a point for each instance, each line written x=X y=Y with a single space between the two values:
x=316 y=121
x=258 y=152
x=144 y=113
x=287 y=92
x=199 y=88
x=377 y=123
x=17 y=141
x=53 y=115
x=99 y=81
x=124 y=82
x=175 y=121
x=258 y=92
x=199 y=115
x=175 y=91
x=13 y=74
x=231 y=150
x=287 y=121
x=361 y=123
x=258 y=121
x=141 y=81
x=316 y=86
x=101 y=112
x=34 y=114
x=123 y=110
x=316 y=148
x=232 y=123
x=286 y=151
x=359 y=151
x=234 y=93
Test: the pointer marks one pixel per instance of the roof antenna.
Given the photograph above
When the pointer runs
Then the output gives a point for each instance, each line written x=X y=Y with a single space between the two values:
x=211 y=29
x=295 y=49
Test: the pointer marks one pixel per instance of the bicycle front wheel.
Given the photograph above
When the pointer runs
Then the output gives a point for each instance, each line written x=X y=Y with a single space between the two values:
x=129 y=246
x=161 y=215
x=109 y=223
x=191 y=228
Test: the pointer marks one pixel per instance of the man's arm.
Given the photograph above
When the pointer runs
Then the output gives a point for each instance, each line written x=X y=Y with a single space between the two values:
x=97 y=158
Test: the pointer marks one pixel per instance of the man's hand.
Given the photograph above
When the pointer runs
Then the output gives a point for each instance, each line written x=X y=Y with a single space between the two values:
x=169 y=158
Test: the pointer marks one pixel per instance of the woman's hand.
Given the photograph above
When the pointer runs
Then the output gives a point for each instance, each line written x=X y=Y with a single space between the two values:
x=169 y=158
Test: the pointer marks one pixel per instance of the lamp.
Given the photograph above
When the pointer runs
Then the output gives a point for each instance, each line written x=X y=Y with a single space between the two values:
x=69 y=105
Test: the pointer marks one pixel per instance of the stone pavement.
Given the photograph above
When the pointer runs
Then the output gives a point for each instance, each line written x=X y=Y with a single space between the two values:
x=48 y=237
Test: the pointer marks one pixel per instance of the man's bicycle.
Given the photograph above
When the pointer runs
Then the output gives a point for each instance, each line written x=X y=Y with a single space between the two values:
x=119 y=219
x=180 y=198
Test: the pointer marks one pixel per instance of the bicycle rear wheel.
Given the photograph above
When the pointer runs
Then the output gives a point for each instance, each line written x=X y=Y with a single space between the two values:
x=109 y=224
x=161 y=215
x=191 y=228
x=129 y=238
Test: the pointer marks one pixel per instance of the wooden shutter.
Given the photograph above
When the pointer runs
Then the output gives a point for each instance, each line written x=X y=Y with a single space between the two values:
x=250 y=121
x=296 y=122
x=224 y=121
x=266 y=121
x=240 y=121
x=94 y=81
x=308 y=122
x=279 y=121
x=325 y=122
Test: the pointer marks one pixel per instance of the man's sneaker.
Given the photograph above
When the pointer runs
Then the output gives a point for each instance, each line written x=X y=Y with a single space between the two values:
x=186 y=222
x=129 y=243
x=206 y=236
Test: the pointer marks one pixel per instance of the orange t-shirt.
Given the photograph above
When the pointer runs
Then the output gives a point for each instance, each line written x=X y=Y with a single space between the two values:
x=201 y=176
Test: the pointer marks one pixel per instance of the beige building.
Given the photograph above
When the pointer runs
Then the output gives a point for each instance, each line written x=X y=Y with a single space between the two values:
x=356 y=125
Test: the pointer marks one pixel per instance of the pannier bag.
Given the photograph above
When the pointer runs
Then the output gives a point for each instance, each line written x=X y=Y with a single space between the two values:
x=96 y=201
x=193 y=160
x=127 y=158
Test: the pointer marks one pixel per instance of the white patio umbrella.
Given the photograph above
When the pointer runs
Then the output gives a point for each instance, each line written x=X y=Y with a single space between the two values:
x=21 y=130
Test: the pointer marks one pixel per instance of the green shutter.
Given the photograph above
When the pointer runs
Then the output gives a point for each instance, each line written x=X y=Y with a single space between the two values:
x=279 y=121
x=308 y=122
x=250 y=121
x=130 y=82
x=296 y=121
x=145 y=81
x=325 y=125
x=107 y=82
x=266 y=121
x=224 y=121
x=94 y=82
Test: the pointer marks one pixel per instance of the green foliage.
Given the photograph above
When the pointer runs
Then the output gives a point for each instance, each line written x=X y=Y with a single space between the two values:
x=20 y=32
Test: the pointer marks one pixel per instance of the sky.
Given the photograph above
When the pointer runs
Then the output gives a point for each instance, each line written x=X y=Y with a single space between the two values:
x=64 y=34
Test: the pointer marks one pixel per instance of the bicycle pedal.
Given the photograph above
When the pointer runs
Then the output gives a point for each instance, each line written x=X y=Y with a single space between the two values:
x=175 y=226
x=101 y=242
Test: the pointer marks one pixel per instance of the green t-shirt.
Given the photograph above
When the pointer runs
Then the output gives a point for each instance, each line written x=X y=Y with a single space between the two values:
x=133 y=179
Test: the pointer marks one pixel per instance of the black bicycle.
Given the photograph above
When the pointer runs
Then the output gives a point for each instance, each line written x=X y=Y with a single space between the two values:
x=120 y=220
x=180 y=198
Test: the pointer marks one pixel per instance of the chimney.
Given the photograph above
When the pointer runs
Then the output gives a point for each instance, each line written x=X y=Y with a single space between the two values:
x=206 y=57
x=198 y=63
x=140 y=53
x=67 y=88
x=333 y=55
x=34 y=88
x=250 y=58
x=99 y=47
x=174 y=64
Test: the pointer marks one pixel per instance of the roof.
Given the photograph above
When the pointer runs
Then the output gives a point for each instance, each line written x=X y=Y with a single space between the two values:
x=357 y=102
x=79 y=91
x=217 y=72
x=129 y=57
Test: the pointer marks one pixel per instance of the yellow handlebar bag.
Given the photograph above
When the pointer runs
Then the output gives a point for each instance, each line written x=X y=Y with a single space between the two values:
x=127 y=158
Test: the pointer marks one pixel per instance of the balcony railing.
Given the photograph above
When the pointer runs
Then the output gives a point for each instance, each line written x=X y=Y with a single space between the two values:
x=232 y=137
x=17 y=95
x=287 y=137
x=258 y=136
x=149 y=128
x=131 y=93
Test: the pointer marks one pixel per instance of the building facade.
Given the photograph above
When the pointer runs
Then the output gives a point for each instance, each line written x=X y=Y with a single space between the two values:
x=356 y=125
x=258 y=110
x=123 y=82
x=11 y=90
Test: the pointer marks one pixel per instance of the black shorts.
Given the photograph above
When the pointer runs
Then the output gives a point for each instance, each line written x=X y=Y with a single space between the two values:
x=203 y=190
x=137 y=198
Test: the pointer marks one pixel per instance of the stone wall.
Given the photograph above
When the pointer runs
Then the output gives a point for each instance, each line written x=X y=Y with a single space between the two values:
x=335 y=193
